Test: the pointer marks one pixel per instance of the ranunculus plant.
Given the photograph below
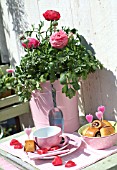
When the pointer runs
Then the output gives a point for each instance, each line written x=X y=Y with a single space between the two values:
x=52 y=54
x=6 y=80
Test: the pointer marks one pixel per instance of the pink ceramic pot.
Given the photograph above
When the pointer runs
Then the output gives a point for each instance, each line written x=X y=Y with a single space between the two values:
x=69 y=108
x=40 y=104
x=100 y=142
x=49 y=136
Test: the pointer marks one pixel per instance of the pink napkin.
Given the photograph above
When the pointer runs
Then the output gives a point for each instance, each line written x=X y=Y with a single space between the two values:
x=79 y=156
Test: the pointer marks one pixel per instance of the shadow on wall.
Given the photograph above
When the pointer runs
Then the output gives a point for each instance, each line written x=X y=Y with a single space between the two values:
x=88 y=45
x=16 y=9
x=100 y=89
x=109 y=91
x=4 y=56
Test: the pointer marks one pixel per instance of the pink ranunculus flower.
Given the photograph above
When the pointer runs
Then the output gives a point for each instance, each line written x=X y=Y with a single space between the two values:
x=101 y=108
x=31 y=43
x=59 y=39
x=10 y=70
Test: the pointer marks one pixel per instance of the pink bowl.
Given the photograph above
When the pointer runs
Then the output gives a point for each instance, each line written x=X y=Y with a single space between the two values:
x=100 y=142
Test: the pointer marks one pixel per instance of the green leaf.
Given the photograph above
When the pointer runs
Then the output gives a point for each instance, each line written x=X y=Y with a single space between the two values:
x=84 y=75
x=42 y=79
x=94 y=67
x=37 y=84
x=76 y=86
x=70 y=93
x=65 y=89
x=63 y=79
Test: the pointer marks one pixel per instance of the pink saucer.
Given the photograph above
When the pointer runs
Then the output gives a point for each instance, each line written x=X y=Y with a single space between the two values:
x=73 y=145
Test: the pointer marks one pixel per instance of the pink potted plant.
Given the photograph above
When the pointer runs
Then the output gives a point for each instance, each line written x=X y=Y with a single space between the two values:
x=53 y=56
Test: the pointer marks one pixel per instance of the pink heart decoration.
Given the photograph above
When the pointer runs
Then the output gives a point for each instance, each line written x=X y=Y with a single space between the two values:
x=99 y=115
x=28 y=131
x=89 y=118
x=101 y=108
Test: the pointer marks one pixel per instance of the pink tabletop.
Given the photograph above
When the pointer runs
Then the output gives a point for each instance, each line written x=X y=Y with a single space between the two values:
x=83 y=156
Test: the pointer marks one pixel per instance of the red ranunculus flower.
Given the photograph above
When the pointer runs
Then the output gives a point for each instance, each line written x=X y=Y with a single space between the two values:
x=31 y=43
x=51 y=15
x=59 y=39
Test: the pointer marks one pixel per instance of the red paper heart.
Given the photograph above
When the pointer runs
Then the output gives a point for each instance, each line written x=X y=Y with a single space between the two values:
x=18 y=146
x=14 y=142
x=70 y=164
x=57 y=161
x=42 y=151
x=54 y=148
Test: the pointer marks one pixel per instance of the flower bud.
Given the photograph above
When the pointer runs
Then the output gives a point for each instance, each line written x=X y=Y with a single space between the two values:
x=54 y=23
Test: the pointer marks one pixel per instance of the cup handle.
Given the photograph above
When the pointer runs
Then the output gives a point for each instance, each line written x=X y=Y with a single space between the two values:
x=65 y=140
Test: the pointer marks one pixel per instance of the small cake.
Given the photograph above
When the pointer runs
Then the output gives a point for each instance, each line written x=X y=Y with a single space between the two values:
x=97 y=124
x=106 y=123
x=91 y=132
x=99 y=129
x=30 y=146
x=107 y=130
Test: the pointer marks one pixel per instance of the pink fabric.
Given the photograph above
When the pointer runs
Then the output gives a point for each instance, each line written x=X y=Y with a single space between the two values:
x=83 y=157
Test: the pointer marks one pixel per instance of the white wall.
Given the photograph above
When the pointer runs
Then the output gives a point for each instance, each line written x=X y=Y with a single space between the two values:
x=96 y=20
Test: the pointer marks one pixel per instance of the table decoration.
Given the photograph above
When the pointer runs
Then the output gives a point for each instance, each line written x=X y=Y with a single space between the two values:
x=99 y=134
x=80 y=156
x=28 y=131
x=89 y=118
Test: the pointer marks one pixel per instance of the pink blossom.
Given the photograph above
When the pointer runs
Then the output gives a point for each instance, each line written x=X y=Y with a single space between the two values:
x=101 y=108
x=10 y=70
x=99 y=115
x=59 y=39
x=31 y=43
x=89 y=118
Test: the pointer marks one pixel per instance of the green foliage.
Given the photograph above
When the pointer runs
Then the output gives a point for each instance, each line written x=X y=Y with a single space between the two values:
x=6 y=81
x=43 y=63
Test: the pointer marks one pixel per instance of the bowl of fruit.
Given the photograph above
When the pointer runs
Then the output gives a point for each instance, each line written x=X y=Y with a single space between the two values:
x=99 y=133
